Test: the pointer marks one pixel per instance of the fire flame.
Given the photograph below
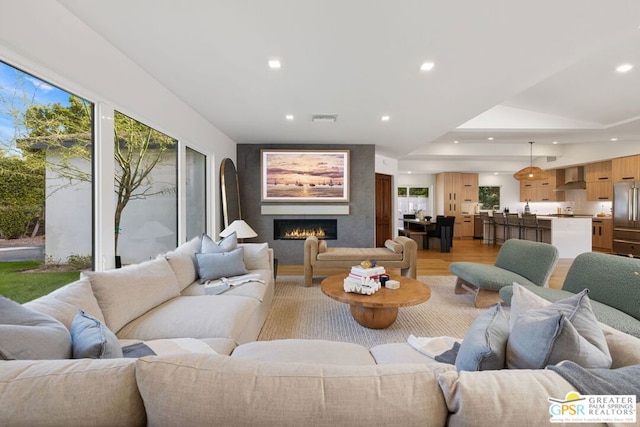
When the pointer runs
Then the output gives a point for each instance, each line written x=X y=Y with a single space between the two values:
x=299 y=233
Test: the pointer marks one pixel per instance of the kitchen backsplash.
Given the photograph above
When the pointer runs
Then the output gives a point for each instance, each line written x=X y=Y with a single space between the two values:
x=576 y=200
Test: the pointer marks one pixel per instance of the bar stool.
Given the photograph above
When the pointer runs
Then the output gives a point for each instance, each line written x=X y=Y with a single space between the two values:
x=513 y=221
x=530 y=222
x=500 y=229
x=488 y=229
x=545 y=228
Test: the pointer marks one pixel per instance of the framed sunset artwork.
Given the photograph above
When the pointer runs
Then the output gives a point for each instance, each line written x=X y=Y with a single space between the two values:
x=305 y=175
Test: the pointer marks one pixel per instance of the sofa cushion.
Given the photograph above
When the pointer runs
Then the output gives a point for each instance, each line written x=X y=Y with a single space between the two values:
x=212 y=266
x=227 y=244
x=256 y=256
x=564 y=330
x=63 y=303
x=359 y=254
x=218 y=345
x=501 y=398
x=305 y=351
x=486 y=276
x=183 y=262
x=322 y=246
x=91 y=339
x=231 y=391
x=405 y=353
x=485 y=344
x=71 y=393
x=205 y=316
x=127 y=293
x=251 y=289
x=27 y=334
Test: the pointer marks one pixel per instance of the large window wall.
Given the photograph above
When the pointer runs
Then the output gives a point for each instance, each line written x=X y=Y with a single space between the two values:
x=145 y=182
x=46 y=157
x=195 y=193
x=49 y=191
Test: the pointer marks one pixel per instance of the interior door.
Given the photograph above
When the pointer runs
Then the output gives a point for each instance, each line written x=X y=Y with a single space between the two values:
x=384 y=206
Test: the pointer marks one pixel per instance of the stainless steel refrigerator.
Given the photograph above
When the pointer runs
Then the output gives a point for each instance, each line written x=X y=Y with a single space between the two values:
x=626 y=218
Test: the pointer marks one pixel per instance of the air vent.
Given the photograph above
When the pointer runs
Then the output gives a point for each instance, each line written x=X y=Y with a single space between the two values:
x=324 y=118
x=551 y=159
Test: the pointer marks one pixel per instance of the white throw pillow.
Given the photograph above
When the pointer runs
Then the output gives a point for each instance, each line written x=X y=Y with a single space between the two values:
x=256 y=256
x=564 y=330
x=127 y=293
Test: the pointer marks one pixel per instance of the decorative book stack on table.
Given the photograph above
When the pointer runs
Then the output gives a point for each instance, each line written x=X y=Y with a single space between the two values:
x=358 y=273
x=363 y=280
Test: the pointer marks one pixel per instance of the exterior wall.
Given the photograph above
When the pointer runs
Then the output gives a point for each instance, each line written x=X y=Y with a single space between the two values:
x=148 y=226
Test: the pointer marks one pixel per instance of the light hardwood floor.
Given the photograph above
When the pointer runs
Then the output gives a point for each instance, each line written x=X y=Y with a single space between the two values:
x=434 y=263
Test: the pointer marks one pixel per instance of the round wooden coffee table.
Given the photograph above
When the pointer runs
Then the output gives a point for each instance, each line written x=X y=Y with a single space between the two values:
x=380 y=310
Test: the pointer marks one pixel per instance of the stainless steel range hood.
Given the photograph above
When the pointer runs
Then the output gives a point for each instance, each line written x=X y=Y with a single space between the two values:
x=574 y=179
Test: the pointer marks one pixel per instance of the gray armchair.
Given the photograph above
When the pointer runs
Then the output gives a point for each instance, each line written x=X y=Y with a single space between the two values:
x=521 y=261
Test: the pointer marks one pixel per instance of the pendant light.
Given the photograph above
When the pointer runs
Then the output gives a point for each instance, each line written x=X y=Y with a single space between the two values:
x=531 y=173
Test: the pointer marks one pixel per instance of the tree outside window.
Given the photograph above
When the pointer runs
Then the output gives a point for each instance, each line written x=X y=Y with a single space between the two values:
x=489 y=197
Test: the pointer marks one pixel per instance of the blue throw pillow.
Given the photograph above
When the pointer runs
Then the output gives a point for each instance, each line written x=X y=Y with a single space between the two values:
x=212 y=266
x=91 y=339
x=564 y=330
x=485 y=345
x=227 y=244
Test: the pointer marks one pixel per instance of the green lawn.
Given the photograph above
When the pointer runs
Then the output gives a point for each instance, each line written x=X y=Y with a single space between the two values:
x=23 y=287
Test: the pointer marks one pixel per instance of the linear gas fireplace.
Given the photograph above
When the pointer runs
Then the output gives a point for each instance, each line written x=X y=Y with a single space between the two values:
x=300 y=229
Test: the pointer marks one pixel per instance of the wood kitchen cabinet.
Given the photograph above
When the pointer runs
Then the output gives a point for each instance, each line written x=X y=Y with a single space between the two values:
x=626 y=168
x=453 y=190
x=528 y=191
x=599 y=191
x=469 y=182
x=543 y=190
x=598 y=172
x=546 y=188
x=602 y=234
x=467 y=226
x=599 y=178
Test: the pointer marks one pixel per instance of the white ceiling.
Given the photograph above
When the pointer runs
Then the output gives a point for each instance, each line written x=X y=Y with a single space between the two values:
x=516 y=70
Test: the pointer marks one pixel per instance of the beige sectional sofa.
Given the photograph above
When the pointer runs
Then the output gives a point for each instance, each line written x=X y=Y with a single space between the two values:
x=283 y=383
x=266 y=383
x=400 y=252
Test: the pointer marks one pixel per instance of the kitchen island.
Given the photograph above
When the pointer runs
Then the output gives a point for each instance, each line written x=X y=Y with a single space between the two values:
x=570 y=234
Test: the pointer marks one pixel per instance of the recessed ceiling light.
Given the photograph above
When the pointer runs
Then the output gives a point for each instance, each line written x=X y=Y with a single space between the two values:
x=624 y=68
x=614 y=139
x=275 y=64
x=555 y=142
x=385 y=118
x=455 y=142
x=490 y=138
x=289 y=117
x=495 y=173
x=427 y=66
x=409 y=172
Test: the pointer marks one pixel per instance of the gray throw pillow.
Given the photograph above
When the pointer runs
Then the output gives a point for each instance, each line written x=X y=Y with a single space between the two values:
x=29 y=335
x=91 y=339
x=485 y=344
x=227 y=244
x=564 y=330
x=213 y=266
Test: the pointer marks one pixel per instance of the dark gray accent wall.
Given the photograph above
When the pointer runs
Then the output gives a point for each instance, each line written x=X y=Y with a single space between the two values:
x=354 y=230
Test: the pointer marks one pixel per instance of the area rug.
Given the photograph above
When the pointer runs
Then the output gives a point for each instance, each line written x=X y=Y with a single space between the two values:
x=300 y=312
